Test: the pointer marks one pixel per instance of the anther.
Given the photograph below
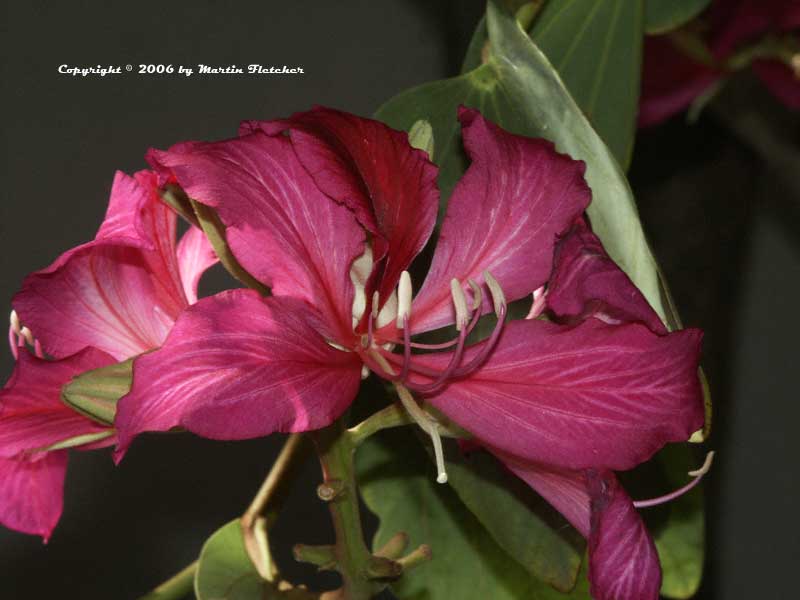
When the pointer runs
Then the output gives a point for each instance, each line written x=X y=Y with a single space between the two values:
x=27 y=334
x=404 y=292
x=697 y=474
x=376 y=297
x=460 y=303
x=14 y=320
x=498 y=297
x=538 y=305
x=477 y=295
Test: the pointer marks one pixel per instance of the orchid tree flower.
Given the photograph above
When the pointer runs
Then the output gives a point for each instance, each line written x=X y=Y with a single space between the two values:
x=330 y=217
x=102 y=302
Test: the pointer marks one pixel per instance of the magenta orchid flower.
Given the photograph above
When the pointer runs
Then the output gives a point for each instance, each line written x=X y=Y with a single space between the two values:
x=672 y=79
x=330 y=218
x=104 y=301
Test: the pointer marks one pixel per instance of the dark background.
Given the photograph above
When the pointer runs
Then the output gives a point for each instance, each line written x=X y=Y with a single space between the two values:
x=720 y=200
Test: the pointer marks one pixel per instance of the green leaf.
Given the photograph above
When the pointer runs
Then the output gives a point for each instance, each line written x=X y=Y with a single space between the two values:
x=96 y=393
x=666 y=15
x=596 y=47
x=519 y=89
x=215 y=231
x=519 y=520
x=225 y=571
x=398 y=484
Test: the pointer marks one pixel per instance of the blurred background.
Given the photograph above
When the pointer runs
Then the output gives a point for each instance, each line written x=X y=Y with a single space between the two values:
x=720 y=200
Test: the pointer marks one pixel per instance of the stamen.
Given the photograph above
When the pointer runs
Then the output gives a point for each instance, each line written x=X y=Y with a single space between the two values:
x=460 y=304
x=372 y=316
x=448 y=373
x=14 y=320
x=477 y=295
x=404 y=292
x=26 y=333
x=697 y=474
x=428 y=425
x=498 y=297
x=406 y=349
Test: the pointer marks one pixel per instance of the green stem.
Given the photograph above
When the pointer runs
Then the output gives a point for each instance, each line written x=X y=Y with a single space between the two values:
x=335 y=449
x=176 y=587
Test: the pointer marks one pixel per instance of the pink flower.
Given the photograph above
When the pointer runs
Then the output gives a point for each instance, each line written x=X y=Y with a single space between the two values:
x=330 y=217
x=672 y=78
x=102 y=302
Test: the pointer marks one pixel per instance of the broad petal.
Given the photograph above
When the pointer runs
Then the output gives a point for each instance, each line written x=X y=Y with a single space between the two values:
x=586 y=282
x=280 y=227
x=119 y=294
x=372 y=169
x=623 y=561
x=32 y=492
x=32 y=415
x=195 y=255
x=504 y=215
x=592 y=395
x=238 y=366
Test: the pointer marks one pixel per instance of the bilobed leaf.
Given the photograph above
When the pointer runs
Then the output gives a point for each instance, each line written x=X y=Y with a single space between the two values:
x=519 y=89
x=96 y=393
x=399 y=485
x=225 y=572
x=666 y=15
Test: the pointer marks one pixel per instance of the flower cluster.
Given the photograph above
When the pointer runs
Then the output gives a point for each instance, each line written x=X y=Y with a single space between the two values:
x=732 y=34
x=328 y=211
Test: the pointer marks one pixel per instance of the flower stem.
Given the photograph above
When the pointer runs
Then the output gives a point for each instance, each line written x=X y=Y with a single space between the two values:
x=335 y=448
x=176 y=587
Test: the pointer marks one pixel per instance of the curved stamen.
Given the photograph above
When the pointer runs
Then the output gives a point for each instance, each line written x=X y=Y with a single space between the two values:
x=449 y=371
x=429 y=425
x=697 y=474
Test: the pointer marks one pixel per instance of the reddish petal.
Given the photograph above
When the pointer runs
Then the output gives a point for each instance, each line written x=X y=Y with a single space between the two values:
x=623 y=562
x=504 y=215
x=280 y=227
x=32 y=415
x=118 y=294
x=593 y=395
x=32 y=492
x=586 y=282
x=238 y=366
x=195 y=254
x=372 y=169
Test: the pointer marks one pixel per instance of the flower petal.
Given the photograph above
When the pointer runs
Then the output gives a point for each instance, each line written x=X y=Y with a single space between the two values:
x=504 y=215
x=118 y=294
x=195 y=255
x=32 y=415
x=32 y=492
x=780 y=80
x=623 y=561
x=238 y=366
x=280 y=227
x=586 y=282
x=372 y=169
x=593 y=395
